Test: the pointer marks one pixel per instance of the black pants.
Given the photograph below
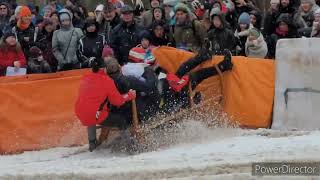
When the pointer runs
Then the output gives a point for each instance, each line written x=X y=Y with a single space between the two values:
x=198 y=76
x=118 y=119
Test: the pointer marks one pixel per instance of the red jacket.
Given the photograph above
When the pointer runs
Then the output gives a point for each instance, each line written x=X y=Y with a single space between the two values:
x=94 y=89
x=7 y=59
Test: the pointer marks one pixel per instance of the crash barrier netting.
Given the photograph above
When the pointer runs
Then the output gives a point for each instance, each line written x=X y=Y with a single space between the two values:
x=37 y=111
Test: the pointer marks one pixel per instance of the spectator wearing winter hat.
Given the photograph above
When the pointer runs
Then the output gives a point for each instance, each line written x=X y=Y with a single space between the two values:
x=316 y=24
x=11 y=53
x=65 y=42
x=244 y=6
x=91 y=44
x=187 y=34
x=303 y=19
x=143 y=52
x=36 y=62
x=27 y=34
x=125 y=36
x=159 y=34
x=147 y=18
x=256 y=46
x=109 y=19
x=242 y=32
x=271 y=17
x=285 y=30
x=220 y=36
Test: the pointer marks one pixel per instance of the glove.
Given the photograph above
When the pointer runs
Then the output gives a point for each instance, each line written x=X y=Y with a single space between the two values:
x=196 y=4
x=130 y=95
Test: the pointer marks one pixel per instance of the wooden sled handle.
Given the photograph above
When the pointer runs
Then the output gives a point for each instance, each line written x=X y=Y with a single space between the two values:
x=191 y=94
x=135 y=122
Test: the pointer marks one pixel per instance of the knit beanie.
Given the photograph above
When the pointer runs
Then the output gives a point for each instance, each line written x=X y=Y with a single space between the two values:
x=107 y=52
x=24 y=12
x=244 y=18
x=8 y=34
x=112 y=66
x=181 y=7
x=35 y=52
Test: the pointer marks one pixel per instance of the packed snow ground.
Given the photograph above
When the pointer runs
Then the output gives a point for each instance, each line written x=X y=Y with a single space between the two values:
x=200 y=153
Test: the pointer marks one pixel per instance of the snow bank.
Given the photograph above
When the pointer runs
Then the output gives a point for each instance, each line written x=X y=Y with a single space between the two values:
x=219 y=153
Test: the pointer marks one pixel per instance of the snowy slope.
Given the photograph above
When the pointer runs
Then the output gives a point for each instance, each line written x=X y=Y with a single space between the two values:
x=216 y=154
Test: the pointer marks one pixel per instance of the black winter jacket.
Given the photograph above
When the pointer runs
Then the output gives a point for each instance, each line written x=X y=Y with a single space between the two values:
x=123 y=39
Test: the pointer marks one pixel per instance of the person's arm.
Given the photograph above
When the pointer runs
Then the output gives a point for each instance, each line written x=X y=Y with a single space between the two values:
x=55 y=48
x=21 y=58
x=114 y=96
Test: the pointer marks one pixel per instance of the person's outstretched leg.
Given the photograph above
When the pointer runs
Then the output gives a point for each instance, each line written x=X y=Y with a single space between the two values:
x=202 y=74
x=204 y=55
x=92 y=137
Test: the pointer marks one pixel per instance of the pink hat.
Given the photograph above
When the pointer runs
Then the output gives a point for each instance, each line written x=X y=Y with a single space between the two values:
x=107 y=51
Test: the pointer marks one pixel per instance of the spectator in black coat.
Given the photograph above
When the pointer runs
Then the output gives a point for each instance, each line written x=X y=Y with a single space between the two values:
x=285 y=30
x=159 y=34
x=220 y=36
x=125 y=36
x=91 y=45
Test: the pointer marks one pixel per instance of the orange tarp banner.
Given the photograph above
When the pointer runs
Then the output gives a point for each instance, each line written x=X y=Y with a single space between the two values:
x=37 y=111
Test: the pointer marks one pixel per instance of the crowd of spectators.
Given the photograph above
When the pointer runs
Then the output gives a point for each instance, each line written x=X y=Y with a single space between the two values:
x=68 y=36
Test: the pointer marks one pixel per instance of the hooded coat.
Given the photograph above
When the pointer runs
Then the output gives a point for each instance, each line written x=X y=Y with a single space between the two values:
x=273 y=39
x=304 y=20
x=90 y=45
x=123 y=39
x=65 y=44
x=256 y=49
x=221 y=38
x=190 y=35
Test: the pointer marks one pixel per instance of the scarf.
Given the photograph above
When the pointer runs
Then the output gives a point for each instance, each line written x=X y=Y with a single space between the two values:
x=281 y=33
x=22 y=26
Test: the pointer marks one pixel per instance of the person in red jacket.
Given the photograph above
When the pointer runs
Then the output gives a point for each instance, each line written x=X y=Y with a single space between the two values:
x=97 y=93
x=11 y=53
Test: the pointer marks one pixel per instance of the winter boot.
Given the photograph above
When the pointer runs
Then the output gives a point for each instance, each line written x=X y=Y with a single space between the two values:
x=93 y=145
x=226 y=64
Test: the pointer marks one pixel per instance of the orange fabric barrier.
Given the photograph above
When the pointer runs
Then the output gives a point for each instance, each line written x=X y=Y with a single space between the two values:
x=248 y=88
x=37 y=111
